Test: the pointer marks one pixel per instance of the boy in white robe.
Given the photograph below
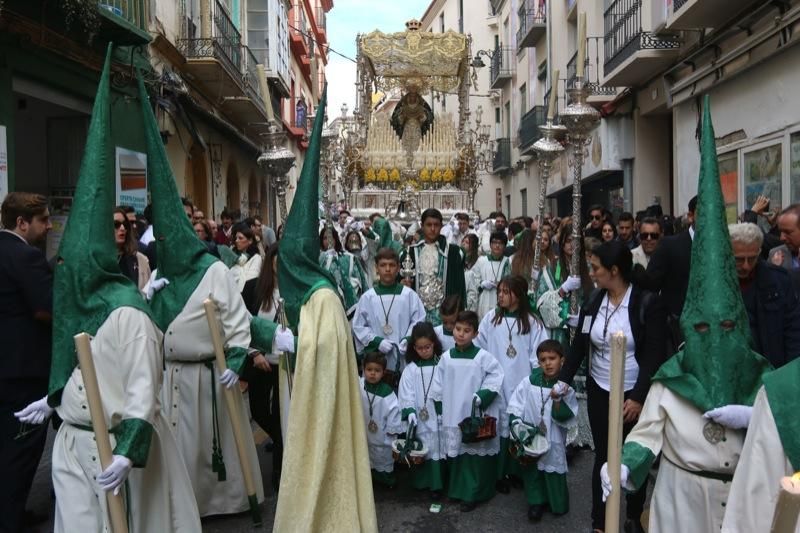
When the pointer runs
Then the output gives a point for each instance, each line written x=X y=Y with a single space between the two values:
x=697 y=408
x=545 y=481
x=489 y=270
x=511 y=334
x=381 y=418
x=771 y=451
x=92 y=296
x=468 y=380
x=386 y=313
x=448 y=311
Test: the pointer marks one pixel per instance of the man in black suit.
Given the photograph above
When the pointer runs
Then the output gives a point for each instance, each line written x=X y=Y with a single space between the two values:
x=668 y=272
x=26 y=297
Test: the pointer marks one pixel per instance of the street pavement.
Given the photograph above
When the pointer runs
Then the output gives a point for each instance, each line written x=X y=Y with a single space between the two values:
x=399 y=510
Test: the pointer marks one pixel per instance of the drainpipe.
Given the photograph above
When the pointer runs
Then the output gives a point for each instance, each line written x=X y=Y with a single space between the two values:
x=627 y=185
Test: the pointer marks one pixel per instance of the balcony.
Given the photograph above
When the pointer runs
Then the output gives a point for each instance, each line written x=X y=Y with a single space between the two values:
x=216 y=59
x=124 y=21
x=502 y=67
x=502 y=157
x=298 y=40
x=529 y=128
x=320 y=17
x=632 y=54
x=700 y=14
x=594 y=50
x=532 y=23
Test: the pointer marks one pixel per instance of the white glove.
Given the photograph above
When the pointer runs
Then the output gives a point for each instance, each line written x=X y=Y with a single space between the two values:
x=229 y=378
x=115 y=475
x=476 y=399
x=412 y=419
x=403 y=346
x=732 y=416
x=331 y=252
x=284 y=340
x=488 y=285
x=385 y=346
x=535 y=273
x=572 y=321
x=516 y=422
x=559 y=390
x=154 y=286
x=35 y=413
x=605 y=480
x=573 y=283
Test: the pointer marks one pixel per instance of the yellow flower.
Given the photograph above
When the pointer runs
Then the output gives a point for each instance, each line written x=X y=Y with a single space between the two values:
x=437 y=175
x=394 y=175
x=413 y=184
x=383 y=175
x=370 y=177
x=449 y=175
x=425 y=174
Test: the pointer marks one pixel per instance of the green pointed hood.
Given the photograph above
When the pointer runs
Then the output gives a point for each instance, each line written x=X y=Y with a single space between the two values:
x=717 y=366
x=182 y=258
x=88 y=284
x=382 y=227
x=299 y=272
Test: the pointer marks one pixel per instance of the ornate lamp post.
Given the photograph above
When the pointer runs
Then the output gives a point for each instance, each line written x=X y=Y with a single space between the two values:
x=580 y=118
x=277 y=160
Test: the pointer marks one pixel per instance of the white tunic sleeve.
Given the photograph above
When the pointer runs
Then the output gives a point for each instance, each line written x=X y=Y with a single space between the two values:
x=493 y=372
x=361 y=327
x=406 y=390
x=233 y=313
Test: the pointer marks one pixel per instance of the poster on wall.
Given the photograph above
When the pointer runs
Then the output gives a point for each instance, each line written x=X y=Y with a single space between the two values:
x=132 y=179
x=3 y=164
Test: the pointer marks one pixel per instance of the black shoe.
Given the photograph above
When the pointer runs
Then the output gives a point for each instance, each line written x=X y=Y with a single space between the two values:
x=468 y=506
x=516 y=482
x=535 y=512
x=502 y=486
x=436 y=495
x=633 y=526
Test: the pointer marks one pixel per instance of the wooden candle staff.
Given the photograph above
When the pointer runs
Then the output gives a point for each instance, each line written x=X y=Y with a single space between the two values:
x=233 y=412
x=116 y=507
x=788 y=507
x=615 y=401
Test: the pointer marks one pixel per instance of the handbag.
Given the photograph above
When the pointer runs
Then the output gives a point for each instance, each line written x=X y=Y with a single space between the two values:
x=476 y=428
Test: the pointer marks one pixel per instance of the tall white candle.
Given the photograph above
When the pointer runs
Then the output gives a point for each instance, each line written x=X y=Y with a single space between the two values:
x=581 y=45
x=551 y=108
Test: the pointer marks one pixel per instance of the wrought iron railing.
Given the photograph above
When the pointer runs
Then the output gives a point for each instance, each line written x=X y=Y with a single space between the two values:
x=677 y=4
x=224 y=43
x=622 y=21
x=250 y=77
x=531 y=13
x=502 y=64
x=529 y=126
x=591 y=69
x=134 y=11
x=502 y=156
x=320 y=18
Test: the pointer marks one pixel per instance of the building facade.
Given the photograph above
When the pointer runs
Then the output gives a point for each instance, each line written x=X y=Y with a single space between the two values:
x=201 y=61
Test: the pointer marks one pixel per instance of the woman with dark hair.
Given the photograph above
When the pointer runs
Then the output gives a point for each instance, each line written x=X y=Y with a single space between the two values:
x=618 y=305
x=248 y=262
x=511 y=333
x=608 y=231
x=203 y=231
x=471 y=247
x=330 y=258
x=522 y=260
x=133 y=264
x=262 y=298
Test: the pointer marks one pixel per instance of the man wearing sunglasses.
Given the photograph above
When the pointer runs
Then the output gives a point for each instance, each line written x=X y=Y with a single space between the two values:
x=595 y=228
x=649 y=237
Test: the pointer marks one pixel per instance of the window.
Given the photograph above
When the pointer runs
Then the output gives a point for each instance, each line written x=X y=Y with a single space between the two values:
x=729 y=180
x=508 y=205
x=524 y=198
x=258 y=29
x=441 y=23
x=762 y=171
x=523 y=100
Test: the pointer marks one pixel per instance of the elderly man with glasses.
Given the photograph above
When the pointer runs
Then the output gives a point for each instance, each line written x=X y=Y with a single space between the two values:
x=649 y=236
x=769 y=297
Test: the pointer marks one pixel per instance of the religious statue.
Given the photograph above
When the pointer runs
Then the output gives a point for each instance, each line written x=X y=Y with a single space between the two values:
x=411 y=120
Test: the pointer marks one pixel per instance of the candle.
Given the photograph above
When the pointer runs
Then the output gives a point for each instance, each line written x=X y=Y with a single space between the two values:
x=551 y=108
x=262 y=82
x=581 y=45
x=788 y=507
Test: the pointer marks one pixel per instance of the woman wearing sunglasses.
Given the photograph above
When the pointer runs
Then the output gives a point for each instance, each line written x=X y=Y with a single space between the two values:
x=133 y=264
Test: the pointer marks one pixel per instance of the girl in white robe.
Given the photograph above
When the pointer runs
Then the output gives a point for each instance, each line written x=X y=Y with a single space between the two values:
x=511 y=334
x=468 y=376
x=381 y=418
x=418 y=408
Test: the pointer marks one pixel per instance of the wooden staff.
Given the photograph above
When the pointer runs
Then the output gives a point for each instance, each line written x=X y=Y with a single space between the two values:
x=233 y=412
x=788 y=506
x=116 y=506
x=616 y=398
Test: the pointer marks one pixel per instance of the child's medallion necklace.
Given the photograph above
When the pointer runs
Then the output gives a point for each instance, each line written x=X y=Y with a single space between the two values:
x=510 y=351
x=423 y=413
x=372 y=426
x=387 y=328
